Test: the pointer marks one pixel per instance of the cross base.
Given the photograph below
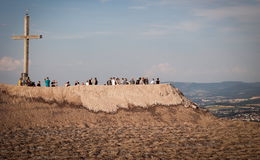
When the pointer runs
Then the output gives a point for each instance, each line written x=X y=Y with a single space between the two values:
x=24 y=78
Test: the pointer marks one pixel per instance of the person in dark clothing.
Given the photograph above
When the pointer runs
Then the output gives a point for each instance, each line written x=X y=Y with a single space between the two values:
x=96 y=81
x=146 y=81
x=28 y=82
x=138 y=80
x=53 y=83
x=67 y=84
x=90 y=81
x=157 y=81
x=109 y=82
x=77 y=83
x=39 y=84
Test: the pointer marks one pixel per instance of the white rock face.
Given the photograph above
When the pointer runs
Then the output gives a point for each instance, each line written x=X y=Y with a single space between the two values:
x=104 y=98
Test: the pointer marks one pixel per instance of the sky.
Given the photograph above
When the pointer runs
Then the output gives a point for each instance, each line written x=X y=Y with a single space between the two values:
x=175 y=40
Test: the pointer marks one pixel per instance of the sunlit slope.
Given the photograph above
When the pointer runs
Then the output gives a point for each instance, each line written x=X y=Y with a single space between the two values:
x=103 y=98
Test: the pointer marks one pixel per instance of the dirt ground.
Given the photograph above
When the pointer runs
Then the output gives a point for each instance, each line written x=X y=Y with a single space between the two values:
x=175 y=142
x=38 y=130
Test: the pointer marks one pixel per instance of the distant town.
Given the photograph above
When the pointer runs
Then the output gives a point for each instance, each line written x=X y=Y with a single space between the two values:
x=230 y=100
x=236 y=109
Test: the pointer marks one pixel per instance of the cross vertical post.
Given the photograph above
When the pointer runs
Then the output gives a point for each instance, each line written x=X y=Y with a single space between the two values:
x=26 y=44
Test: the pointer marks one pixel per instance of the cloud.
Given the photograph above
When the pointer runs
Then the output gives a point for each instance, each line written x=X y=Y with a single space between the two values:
x=3 y=25
x=241 y=13
x=164 y=30
x=9 y=64
x=179 y=2
x=188 y=26
x=237 y=70
x=160 y=69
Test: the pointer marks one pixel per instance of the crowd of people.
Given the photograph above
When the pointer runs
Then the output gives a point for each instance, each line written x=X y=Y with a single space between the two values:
x=124 y=81
x=28 y=82
x=25 y=82
x=91 y=81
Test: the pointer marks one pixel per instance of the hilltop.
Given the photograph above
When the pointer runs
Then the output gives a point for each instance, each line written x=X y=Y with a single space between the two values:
x=84 y=105
x=110 y=122
x=103 y=98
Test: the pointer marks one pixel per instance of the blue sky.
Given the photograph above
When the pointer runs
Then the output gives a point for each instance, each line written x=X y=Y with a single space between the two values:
x=176 y=40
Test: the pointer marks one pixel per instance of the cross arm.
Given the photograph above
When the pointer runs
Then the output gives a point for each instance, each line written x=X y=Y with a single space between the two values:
x=27 y=37
x=18 y=37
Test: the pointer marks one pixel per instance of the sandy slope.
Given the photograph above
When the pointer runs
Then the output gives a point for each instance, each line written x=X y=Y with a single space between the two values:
x=96 y=106
x=103 y=98
x=38 y=124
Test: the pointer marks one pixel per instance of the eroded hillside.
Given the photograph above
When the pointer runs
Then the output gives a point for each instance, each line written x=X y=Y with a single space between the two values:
x=93 y=106
x=117 y=122
x=103 y=98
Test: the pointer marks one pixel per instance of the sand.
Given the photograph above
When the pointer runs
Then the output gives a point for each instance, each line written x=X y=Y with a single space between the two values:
x=104 y=98
x=36 y=128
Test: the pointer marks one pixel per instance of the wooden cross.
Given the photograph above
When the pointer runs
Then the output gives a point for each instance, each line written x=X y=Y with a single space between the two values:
x=26 y=38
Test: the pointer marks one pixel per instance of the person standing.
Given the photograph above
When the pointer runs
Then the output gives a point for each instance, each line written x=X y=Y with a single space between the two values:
x=109 y=82
x=67 y=84
x=87 y=83
x=95 y=81
x=153 y=81
x=90 y=81
x=118 y=82
x=141 y=81
x=132 y=81
x=138 y=80
x=124 y=81
x=20 y=82
x=146 y=80
x=39 y=84
x=113 y=81
x=47 y=82
x=157 y=81
x=28 y=82
x=53 y=83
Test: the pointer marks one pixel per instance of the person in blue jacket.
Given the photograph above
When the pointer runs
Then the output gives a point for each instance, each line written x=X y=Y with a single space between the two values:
x=47 y=82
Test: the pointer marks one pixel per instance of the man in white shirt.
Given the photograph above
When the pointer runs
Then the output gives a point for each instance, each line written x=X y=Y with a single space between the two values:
x=113 y=81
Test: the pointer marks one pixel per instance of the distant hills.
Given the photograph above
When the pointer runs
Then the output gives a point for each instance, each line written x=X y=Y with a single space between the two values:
x=227 y=90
